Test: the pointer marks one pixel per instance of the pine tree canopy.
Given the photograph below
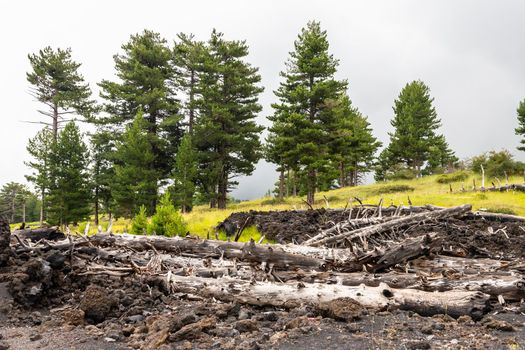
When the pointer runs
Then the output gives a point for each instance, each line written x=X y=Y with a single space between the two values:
x=69 y=192
x=414 y=142
x=57 y=83
x=135 y=180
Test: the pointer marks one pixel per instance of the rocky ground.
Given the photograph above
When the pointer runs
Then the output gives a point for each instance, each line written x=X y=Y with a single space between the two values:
x=46 y=303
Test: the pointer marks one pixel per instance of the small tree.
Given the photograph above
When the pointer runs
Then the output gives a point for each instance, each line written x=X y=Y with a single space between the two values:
x=39 y=148
x=69 y=192
x=139 y=224
x=185 y=174
x=167 y=221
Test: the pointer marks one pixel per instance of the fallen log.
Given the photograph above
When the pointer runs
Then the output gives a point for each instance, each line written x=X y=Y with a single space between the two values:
x=396 y=224
x=291 y=295
x=276 y=255
x=34 y=235
x=495 y=217
x=408 y=249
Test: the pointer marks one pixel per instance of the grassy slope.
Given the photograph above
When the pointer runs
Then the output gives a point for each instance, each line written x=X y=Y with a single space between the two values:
x=426 y=191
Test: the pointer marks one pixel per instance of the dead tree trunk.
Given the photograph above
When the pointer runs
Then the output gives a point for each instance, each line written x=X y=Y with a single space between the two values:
x=290 y=295
x=395 y=224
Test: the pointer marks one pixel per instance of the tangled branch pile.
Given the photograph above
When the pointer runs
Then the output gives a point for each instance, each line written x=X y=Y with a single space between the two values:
x=427 y=260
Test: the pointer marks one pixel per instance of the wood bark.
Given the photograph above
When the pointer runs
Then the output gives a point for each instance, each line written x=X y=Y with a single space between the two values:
x=290 y=295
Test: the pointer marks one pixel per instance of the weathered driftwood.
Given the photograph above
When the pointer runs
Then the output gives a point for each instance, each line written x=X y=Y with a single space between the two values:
x=409 y=248
x=495 y=216
x=289 y=295
x=396 y=224
x=48 y=233
x=249 y=252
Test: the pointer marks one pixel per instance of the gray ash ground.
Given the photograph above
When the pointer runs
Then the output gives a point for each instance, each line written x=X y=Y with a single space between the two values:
x=63 y=310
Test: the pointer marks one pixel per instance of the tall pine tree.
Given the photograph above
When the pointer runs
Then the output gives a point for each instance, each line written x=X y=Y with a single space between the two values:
x=226 y=135
x=146 y=74
x=302 y=118
x=415 y=125
x=57 y=83
x=69 y=192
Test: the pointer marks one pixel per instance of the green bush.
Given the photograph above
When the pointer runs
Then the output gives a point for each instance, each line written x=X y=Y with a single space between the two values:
x=167 y=221
x=139 y=224
x=454 y=177
x=394 y=189
x=496 y=164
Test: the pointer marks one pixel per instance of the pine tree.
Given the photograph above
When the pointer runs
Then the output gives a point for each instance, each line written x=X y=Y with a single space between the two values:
x=102 y=170
x=39 y=149
x=188 y=60
x=58 y=84
x=185 y=174
x=520 y=130
x=135 y=180
x=146 y=76
x=353 y=146
x=415 y=124
x=226 y=135
x=302 y=118
x=13 y=199
x=69 y=192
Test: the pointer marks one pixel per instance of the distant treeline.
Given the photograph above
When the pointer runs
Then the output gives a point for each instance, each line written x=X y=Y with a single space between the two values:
x=180 y=118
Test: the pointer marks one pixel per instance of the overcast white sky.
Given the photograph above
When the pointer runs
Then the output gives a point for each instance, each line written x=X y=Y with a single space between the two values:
x=470 y=53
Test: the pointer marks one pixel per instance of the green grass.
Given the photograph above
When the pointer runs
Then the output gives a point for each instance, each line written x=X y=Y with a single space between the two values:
x=426 y=190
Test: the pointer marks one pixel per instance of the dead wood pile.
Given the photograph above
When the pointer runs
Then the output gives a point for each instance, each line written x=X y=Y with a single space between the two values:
x=386 y=259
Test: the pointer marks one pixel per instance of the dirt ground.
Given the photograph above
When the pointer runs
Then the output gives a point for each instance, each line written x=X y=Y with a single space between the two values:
x=64 y=310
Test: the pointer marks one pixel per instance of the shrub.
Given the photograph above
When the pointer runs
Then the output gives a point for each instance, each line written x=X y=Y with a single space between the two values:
x=496 y=164
x=167 y=221
x=454 y=177
x=139 y=223
x=394 y=189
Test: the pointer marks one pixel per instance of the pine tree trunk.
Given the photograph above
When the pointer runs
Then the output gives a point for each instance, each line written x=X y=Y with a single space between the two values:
x=24 y=211
x=310 y=198
x=223 y=189
x=342 y=174
x=192 y=110
x=13 y=208
x=288 y=183
x=42 y=208
x=294 y=184
x=281 y=184
x=55 y=122
x=96 y=205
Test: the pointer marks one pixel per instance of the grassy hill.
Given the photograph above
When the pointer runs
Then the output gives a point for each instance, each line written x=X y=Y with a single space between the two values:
x=427 y=190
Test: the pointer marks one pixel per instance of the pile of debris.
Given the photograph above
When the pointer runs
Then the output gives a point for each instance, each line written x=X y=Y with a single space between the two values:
x=149 y=291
